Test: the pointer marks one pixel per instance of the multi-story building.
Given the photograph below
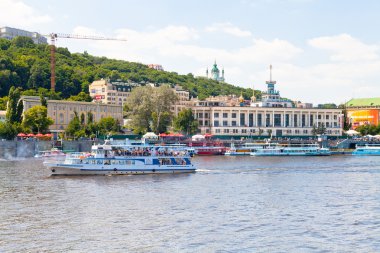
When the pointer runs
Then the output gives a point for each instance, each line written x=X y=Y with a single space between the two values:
x=62 y=111
x=363 y=111
x=273 y=114
x=10 y=33
x=114 y=93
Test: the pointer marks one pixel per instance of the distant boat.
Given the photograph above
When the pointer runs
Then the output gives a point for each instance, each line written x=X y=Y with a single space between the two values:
x=53 y=153
x=209 y=150
x=124 y=159
x=367 y=149
x=292 y=150
x=244 y=149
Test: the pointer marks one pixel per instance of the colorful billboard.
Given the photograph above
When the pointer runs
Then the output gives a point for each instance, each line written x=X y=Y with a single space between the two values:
x=363 y=117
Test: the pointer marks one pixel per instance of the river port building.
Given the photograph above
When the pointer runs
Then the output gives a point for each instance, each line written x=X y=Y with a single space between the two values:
x=229 y=116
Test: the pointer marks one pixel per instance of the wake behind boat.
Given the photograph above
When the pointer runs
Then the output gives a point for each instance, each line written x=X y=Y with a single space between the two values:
x=118 y=159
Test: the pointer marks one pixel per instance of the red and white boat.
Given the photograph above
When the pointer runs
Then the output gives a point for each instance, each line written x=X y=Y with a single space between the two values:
x=210 y=150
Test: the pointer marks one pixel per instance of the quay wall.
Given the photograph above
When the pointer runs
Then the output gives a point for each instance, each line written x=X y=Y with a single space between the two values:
x=29 y=148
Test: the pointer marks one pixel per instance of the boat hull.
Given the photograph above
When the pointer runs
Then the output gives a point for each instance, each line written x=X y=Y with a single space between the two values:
x=73 y=170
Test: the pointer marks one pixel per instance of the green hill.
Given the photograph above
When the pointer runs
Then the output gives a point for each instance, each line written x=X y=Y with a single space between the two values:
x=27 y=65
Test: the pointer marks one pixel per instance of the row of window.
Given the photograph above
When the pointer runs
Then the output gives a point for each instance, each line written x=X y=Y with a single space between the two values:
x=277 y=132
x=277 y=123
x=234 y=115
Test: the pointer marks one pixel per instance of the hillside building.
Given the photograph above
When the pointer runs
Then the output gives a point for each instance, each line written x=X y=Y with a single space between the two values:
x=10 y=33
x=62 y=111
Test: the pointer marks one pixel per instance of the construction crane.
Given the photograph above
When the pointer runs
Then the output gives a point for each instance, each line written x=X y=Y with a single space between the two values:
x=53 y=39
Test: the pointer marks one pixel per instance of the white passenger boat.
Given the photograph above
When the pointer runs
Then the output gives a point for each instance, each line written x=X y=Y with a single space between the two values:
x=367 y=149
x=244 y=149
x=52 y=154
x=292 y=150
x=121 y=159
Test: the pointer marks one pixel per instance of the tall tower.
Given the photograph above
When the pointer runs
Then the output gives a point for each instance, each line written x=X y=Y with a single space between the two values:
x=253 y=98
x=207 y=72
x=270 y=83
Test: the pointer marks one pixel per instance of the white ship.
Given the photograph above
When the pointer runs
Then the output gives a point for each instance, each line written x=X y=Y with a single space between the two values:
x=124 y=159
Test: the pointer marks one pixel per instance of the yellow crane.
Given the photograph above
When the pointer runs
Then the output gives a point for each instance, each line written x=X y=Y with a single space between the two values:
x=53 y=39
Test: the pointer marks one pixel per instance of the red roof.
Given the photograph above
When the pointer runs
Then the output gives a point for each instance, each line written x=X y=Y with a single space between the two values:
x=21 y=135
x=30 y=135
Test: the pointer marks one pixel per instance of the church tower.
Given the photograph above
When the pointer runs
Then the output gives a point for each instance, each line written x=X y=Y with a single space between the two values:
x=215 y=73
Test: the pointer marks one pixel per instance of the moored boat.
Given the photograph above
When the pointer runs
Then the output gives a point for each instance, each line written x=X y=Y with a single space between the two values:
x=121 y=159
x=244 y=149
x=213 y=150
x=367 y=149
x=292 y=150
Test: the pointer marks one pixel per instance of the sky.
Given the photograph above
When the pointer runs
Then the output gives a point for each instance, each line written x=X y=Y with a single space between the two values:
x=322 y=51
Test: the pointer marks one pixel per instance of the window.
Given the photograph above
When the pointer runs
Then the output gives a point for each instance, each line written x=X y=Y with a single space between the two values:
x=303 y=120
x=235 y=131
x=233 y=123
x=311 y=120
x=335 y=117
x=225 y=123
x=296 y=131
x=200 y=115
x=206 y=115
x=319 y=116
x=233 y=115
x=305 y=131
x=267 y=120
x=244 y=131
x=327 y=116
x=287 y=121
x=225 y=115
x=242 y=119
x=295 y=120
x=259 y=120
x=277 y=120
x=216 y=123
x=250 y=120
x=217 y=131
x=216 y=114
x=200 y=122
x=226 y=131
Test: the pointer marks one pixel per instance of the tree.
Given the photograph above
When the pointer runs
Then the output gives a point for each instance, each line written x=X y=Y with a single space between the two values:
x=73 y=126
x=8 y=131
x=186 y=122
x=43 y=101
x=163 y=98
x=108 y=124
x=3 y=103
x=14 y=107
x=82 y=96
x=139 y=105
x=36 y=119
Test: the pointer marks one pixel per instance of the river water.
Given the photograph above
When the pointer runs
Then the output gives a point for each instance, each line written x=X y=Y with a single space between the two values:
x=232 y=204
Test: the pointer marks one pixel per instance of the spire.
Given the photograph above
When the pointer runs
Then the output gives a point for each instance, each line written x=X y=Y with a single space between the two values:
x=207 y=72
x=270 y=71
x=253 y=98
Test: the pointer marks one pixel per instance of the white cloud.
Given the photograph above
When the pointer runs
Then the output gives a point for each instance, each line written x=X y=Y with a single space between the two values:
x=346 y=48
x=229 y=29
x=311 y=79
x=20 y=15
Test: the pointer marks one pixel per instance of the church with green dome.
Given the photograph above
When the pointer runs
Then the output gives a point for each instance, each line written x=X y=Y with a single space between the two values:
x=215 y=73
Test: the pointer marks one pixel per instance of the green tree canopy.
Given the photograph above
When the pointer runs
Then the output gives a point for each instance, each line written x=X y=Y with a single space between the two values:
x=36 y=119
x=186 y=122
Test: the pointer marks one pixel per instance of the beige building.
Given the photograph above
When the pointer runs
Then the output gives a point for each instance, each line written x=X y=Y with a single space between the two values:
x=62 y=111
x=114 y=93
x=248 y=121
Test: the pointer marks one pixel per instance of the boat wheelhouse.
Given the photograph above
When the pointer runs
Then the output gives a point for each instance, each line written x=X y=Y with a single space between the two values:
x=121 y=159
x=367 y=149
x=244 y=149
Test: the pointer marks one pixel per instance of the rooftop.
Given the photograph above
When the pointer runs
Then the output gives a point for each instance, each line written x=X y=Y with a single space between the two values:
x=363 y=102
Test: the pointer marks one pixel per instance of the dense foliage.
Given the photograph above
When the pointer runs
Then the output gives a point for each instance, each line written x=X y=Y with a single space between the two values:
x=149 y=108
x=186 y=122
x=27 y=65
x=368 y=129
